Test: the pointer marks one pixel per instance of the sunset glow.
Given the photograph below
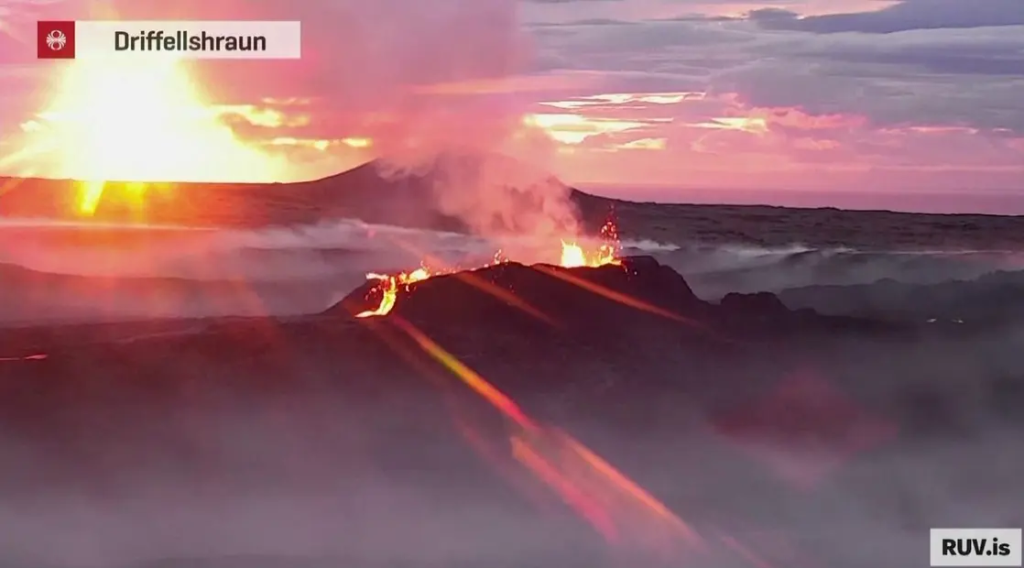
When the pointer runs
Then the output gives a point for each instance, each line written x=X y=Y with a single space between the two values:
x=136 y=121
x=141 y=121
x=747 y=95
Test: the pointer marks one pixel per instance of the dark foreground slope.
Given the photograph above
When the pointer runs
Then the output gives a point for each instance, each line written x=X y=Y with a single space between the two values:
x=780 y=437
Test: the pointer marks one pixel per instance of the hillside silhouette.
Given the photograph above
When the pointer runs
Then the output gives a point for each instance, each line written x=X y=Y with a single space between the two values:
x=408 y=200
x=364 y=193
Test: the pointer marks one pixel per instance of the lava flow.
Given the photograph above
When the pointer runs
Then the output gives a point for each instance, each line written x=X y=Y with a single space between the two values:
x=388 y=286
x=573 y=256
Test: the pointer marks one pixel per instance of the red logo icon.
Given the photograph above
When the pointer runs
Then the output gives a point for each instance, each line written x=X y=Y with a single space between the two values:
x=55 y=39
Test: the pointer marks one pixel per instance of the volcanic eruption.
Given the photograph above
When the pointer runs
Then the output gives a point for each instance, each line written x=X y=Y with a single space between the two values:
x=387 y=287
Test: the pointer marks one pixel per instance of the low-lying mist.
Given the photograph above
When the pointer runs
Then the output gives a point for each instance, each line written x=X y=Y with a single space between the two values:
x=56 y=272
x=118 y=272
x=224 y=459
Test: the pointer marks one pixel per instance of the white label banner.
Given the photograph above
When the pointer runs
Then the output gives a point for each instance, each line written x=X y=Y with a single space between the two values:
x=975 y=547
x=192 y=39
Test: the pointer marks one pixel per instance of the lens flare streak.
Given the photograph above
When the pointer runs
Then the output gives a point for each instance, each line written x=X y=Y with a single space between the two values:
x=25 y=358
x=607 y=499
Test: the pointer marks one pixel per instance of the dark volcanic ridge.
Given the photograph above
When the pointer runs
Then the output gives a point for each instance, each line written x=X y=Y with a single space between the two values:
x=636 y=295
x=616 y=303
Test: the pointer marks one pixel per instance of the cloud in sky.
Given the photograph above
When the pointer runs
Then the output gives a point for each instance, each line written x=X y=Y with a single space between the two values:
x=903 y=16
x=788 y=93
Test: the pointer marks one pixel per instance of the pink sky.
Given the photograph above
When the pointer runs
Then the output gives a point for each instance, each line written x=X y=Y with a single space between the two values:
x=918 y=95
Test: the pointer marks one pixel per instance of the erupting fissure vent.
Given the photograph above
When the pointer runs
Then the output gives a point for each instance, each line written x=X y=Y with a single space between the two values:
x=573 y=256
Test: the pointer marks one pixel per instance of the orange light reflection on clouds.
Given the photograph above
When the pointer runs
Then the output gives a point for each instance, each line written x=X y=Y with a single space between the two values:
x=608 y=132
x=696 y=139
x=576 y=128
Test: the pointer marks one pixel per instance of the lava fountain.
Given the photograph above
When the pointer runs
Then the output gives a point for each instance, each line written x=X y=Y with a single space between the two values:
x=573 y=255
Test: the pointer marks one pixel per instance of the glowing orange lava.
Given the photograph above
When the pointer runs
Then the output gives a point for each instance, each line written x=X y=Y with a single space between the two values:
x=388 y=287
x=573 y=256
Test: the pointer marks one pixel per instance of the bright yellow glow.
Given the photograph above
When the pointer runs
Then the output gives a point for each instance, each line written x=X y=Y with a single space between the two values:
x=645 y=144
x=357 y=142
x=137 y=121
x=619 y=99
x=320 y=145
x=752 y=125
x=90 y=192
x=575 y=128
x=264 y=116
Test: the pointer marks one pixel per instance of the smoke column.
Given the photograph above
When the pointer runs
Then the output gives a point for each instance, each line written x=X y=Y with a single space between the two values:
x=435 y=86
